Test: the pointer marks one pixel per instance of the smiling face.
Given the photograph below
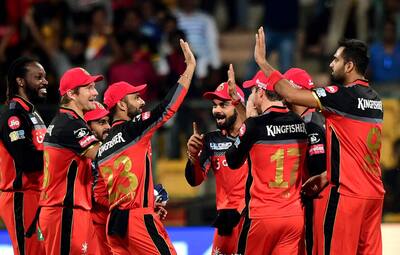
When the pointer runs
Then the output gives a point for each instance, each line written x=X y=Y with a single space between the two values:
x=35 y=83
x=224 y=113
x=86 y=97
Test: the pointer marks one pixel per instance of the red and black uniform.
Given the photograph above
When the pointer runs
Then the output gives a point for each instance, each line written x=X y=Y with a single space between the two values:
x=315 y=164
x=125 y=164
x=274 y=144
x=230 y=189
x=100 y=210
x=66 y=200
x=354 y=197
x=21 y=169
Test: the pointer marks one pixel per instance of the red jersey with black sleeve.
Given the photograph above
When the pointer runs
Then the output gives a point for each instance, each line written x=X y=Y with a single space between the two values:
x=274 y=144
x=354 y=115
x=100 y=196
x=316 y=149
x=21 y=146
x=125 y=155
x=67 y=178
x=230 y=184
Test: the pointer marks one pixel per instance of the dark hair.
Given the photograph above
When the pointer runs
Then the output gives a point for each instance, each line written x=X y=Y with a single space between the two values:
x=357 y=52
x=18 y=69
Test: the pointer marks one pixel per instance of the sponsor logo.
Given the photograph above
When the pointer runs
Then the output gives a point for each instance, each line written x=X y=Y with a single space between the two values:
x=369 y=104
x=237 y=142
x=261 y=84
x=316 y=149
x=115 y=140
x=81 y=132
x=14 y=122
x=220 y=146
x=273 y=130
x=220 y=87
x=87 y=140
x=332 y=89
x=17 y=135
x=320 y=92
x=314 y=138
x=218 y=163
x=50 y=129
x=39 y=134
x=145 y=115
x=34 y=120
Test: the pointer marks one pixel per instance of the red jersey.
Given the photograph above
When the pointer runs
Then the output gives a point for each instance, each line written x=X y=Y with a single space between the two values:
x=354 y=117
x=67 y=178
x=125 y=155
x=275 y=145
x=22 y=132
x=230 y=184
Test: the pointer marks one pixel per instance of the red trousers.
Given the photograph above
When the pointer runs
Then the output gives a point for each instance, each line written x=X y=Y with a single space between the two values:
x=67 y=231
x=145 y=235
x=18 y=209
x=101 y=234
x=227 y=244
x=347 y=225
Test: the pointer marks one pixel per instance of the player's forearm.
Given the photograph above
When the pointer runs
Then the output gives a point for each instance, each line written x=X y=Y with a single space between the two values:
x=186 y=77
x=193 y=173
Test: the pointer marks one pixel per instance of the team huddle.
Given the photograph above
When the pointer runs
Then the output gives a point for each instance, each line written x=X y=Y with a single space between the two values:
x=296 y=166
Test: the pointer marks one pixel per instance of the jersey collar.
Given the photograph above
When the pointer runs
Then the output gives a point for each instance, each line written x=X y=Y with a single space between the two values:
x=24 y=103
x=117 y=122
x=70 y=112
x=275 y=108
x=360 y=82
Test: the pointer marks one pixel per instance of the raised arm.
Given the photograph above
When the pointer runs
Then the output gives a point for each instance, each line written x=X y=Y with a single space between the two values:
x=241 y=109
x=282 y=86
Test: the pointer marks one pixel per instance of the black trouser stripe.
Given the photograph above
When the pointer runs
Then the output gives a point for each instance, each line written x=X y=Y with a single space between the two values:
x=335 y=159
x=247 y=222
x=243 y=235
x=309 y=211
x=69 y=196
x=146 y=183
x=17 y=183
x=19 y=221
x=158 y=240
x=66 y=229
x=330 y=219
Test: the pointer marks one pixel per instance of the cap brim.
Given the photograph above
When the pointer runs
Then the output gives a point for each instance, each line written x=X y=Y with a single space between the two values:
x=213 y=95
x=249 y=84
x=95 y=114
x=137 y=89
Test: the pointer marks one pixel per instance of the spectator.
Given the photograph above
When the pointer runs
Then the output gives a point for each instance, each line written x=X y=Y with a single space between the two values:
x=385 y=56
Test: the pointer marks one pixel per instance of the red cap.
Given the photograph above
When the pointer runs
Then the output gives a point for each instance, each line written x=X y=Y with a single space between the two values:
x=116 y=91
x=300 y=78
x=259 y=79
x=76 y=77
x=96 y=114
x=222 y=93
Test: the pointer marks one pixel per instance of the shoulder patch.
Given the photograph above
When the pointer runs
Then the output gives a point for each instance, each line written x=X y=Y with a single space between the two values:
x=332 y=89
x=14 y=122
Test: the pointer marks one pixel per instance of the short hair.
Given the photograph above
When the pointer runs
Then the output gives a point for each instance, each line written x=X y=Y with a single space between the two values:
x=18 y=69
x=65 y=99
x=357 y=52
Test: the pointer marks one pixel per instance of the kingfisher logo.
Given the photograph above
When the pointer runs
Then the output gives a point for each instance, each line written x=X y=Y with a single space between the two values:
x=14 y=122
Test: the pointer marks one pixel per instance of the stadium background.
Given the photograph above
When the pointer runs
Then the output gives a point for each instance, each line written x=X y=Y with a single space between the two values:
x=136 y=41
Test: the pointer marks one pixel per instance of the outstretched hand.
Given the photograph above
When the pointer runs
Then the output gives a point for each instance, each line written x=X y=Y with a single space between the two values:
x=187 y=52
x=232 y=83
x=260 y=49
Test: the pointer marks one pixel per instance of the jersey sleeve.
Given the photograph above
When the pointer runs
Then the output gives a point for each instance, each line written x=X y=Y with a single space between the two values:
x=316 y=149
x=196 y=173
x=332 y=98
x=100 y=194
x=77 y=137
x=236 y=155
x=17 y=139
x=147 y=123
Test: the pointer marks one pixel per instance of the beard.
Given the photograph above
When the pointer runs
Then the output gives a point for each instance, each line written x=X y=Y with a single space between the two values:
x=133 y=111
x=34 y=95
x=229 y=121
x=337 y=78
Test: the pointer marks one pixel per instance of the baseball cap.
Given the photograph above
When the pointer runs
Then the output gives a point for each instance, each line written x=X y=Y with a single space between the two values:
x=97 y=113
x=259 y=80
x=299 y=77
x=222 y=93
x=116 y=91
x=76 y=77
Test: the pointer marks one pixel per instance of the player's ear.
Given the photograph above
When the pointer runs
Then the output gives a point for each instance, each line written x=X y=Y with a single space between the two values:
x=349 y=66
x=122 y=106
